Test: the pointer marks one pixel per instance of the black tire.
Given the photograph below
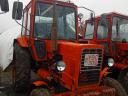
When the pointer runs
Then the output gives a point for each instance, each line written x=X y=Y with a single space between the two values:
x=40 y=92
x=123 y=79
x=2 y=94
x=22 y=64
x=115 y=84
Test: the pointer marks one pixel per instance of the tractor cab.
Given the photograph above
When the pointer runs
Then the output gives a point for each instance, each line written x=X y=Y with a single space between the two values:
x=47 y=21
x=49 y=38
x=109 y=30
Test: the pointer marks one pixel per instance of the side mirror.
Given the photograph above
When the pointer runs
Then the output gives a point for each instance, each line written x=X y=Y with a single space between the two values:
x=17 y=10
x=92 y=17
x=80 y=16
x=4 y=5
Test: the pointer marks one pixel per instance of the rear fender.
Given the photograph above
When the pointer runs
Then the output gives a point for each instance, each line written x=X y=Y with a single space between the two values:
x=116 y=70
x=120 y=66
x=22 y=41
x=40 y=83
x=122 y=72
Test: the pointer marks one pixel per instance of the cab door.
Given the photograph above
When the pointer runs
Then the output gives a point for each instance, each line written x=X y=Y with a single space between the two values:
x=103 y=36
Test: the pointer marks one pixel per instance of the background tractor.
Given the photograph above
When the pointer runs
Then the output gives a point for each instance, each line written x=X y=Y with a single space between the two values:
x=111 y=31
x=49 y=46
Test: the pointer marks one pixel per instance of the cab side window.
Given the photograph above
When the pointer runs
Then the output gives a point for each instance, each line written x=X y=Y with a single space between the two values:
x=119 y=29
x=26 y=22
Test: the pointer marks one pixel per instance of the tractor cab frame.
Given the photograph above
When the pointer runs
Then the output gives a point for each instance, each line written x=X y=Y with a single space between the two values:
x=41 y=16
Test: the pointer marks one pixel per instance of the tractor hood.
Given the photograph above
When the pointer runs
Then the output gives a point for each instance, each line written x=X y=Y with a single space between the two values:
x=73 y=55
x=123 y=46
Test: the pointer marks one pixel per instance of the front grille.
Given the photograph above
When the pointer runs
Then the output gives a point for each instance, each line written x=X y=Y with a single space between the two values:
x=90 y=74
x=104 y=91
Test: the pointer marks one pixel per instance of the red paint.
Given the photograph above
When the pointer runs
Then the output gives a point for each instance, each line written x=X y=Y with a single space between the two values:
x=103 y=72
x=39 y=83
x=120 y=66
x=45 y=74
x=23 y=41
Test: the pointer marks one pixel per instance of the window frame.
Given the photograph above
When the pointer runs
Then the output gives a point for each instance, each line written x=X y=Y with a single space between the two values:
x=27 y=32
x=117 y=16
x=24 y=28
x=24 y=24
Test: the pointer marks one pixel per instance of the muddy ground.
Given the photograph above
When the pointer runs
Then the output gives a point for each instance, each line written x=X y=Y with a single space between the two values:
x=6 y=82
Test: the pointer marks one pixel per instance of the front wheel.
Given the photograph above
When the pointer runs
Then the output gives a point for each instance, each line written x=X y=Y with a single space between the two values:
x=115 y=84
x=40 y=92
x=123 y=79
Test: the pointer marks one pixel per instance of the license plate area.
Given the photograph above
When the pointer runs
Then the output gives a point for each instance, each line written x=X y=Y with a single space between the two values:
x=91 y=59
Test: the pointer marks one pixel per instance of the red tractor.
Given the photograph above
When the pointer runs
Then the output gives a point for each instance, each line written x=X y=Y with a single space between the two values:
x=49 y=45
x=111 y=30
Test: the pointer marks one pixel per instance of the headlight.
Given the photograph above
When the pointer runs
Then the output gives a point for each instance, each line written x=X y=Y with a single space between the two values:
x=61 y=66
x=110 y=62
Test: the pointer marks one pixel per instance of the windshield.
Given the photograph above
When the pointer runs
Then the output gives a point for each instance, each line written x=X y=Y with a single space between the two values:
x=89 y=31
x=119 y=29
x=44 y=19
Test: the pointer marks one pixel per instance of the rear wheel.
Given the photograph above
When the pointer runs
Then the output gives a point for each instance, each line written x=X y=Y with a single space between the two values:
x=22 y=68
x=2 y=93
x=40 y=92
x=123 y=79
x=115 y=84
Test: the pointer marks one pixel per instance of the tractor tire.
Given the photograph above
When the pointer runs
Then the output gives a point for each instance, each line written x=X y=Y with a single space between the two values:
x=120 y=91
x=2 y=94
x=123 y=79
x=40 y=92
x=22 y=65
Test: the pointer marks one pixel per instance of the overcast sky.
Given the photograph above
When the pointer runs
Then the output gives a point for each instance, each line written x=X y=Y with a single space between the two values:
x=99 y=6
